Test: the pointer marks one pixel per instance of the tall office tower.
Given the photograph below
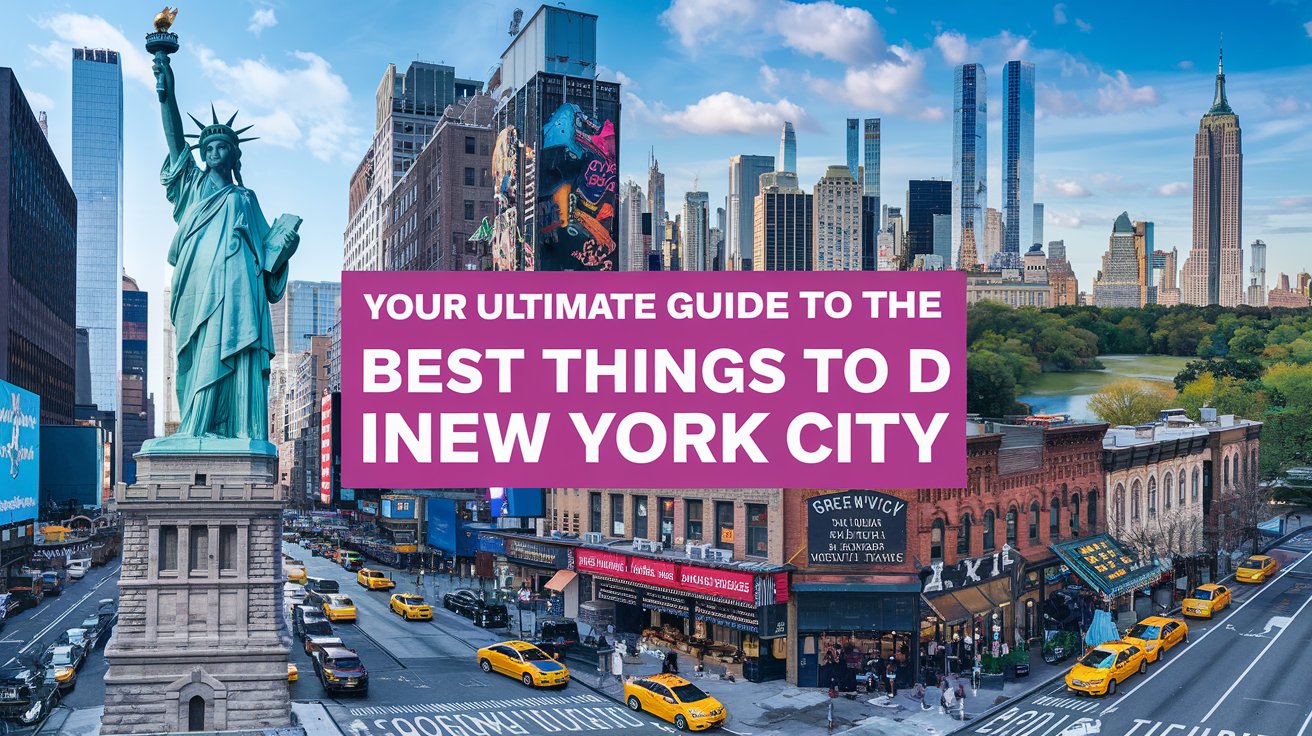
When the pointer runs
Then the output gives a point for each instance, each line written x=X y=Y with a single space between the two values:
x=895 y=225
x=1038 y=224
x=1017 y=157
x=1257 y=275
x=1143 y=252
x=656 y=199
x=869 y=233
x=633 y=205
x=407 y=109
x=720 y=215
x=1213 y=272
x=854 y=147
x=98 y=183
x=1168 y=288
x=992 y=236
x=942 y=238
x=837 y=206
x=1062 y=284
x=138 y=423
x=308 y=308
x=925 y=198
x=870 y=165
x=715 y=249
x=744 y=184
x=38 y=252
x=970 y=160
x=788 y=149
x=1119 y=282
x=672 y=249
x=1056 y=250
x=650 y=257
x=783 y=234
x=696 y=226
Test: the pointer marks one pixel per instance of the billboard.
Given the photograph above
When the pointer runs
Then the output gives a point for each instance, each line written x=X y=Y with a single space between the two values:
x=398 y=507
x=507 y=238
x=326 y=450
x=528 y=502
x=20 y=468
x=577 y=195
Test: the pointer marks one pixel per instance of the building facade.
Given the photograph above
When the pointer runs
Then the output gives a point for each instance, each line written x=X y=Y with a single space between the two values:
x=740 y=220
x=1120 y=282
x=696 y=231
x=1214 y=270
x=1006 y=286
x=656 y=201
x=854 y=147
x=1154 y=475
x=138 y=412
x=1065 y=287
x=97 y=118
x=970 y=160
x=1143 y=254
x=1168 y=289
x=870 y=134
x=783 y=234
x=787 y=149
x=1018 y=156
x=837 y=230
x=1256 y=295
x=633 y=253
x=1284 y=297
x=38 y=261
x=925 y=198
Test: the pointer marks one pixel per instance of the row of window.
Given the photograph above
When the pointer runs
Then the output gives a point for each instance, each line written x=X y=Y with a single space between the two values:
x=724 y=534
x=200 y=549
x=988 y=532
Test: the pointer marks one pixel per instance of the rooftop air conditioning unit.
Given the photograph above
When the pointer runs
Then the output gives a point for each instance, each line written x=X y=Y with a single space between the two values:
x=719 y=555
x=641 y=544
x=699 y=551
x=592 y=538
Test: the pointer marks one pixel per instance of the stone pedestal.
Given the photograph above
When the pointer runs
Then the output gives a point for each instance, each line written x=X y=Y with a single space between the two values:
x=200 y=632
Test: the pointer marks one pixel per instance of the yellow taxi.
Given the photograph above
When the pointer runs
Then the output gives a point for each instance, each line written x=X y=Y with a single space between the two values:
x=292 y=672
x=1256 y=569
x=373 y=580
x=338 y=608
x=524 y=662
x=296 y=574
x=1206 y=601
x=1105 y=666
x=411 y=607
x=1156 y=634
x=676 y=700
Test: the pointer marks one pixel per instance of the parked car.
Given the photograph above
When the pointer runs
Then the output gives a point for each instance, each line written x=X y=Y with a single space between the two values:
x=315 y=643
x=471 y=605
x=77 y=569
x=96 y=630
x=107 y=610
x=350 y=561
x=309 y=621
x=79 y=636
x=53 y=582
x=340 y=669
x=61 y=665
x=339 y=608
x=28 y=588
x=317 y=590
x=374 y=579
x=25 y=694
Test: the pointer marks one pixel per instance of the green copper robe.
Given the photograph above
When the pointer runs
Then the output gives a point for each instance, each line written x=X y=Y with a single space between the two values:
x=226 y=273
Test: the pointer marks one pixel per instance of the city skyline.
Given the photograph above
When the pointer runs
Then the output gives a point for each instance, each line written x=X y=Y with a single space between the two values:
x=1113 y=124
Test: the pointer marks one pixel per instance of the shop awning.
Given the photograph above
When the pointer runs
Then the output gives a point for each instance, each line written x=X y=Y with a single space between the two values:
x=958 y=606
x=1103 y=563
x=856 y=587
x=561 y=580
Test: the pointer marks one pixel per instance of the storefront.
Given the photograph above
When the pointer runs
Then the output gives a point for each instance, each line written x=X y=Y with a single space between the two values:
x=975 y=604
x=398 y=520
x=721 y=616
x=1109 y=570
x=545 y=570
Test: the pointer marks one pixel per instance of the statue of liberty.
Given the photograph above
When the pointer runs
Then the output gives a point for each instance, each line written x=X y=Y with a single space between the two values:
x=229 y=264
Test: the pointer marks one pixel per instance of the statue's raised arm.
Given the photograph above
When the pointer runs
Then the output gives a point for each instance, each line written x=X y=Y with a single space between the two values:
x=161 y=43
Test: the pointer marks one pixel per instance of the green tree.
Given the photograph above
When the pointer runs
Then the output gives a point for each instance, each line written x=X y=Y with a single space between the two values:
x=1227 y=395
x=1228 y=367
x=990 y=384
x=1286 y=440
x=1131 y=401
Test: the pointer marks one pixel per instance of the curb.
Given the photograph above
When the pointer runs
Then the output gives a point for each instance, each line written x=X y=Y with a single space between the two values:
x=1000 y=706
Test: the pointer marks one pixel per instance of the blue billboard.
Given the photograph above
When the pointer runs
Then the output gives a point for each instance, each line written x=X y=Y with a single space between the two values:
x=442 y=524
x=526 y=502
x=20 y=447
x=398 y=507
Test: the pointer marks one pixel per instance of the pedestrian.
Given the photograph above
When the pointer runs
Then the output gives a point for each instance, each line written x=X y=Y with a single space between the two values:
x=617 y=662
x=672 y=662
x=890 y=674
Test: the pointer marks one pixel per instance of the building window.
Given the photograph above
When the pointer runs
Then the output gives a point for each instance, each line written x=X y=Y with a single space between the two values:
x=200 y=549
x=758 y=530
x=1034 y=521
x=1012 y=513
x=639 y=516
x=471 y=145
x=594 y=512
x=469 y=176
x=1152 y=498
x=469 y=209
x=667 y=520
x=724 y=524
x=168 y=548
x=989 y=520
x=1093 y=511
x=1166 y=491
x=692 y=510
x=228 y=548
x=1180 y=481
x=1075 y=515
x=1136 y=490
x=1225 y=474
x=1054 y=519
x=617 y=515
x=1118 y=501
x=936 y=541
x=963 y=536
x=1193 y=494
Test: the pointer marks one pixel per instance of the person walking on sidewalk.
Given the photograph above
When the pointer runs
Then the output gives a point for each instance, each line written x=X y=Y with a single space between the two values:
x=890 y=674
x=617 y=662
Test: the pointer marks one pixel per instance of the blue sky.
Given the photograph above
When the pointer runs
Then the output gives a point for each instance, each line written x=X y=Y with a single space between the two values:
x=1121 y=88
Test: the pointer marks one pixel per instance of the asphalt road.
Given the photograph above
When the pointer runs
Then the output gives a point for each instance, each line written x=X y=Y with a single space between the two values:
x=1245 y=673
x=423 y=680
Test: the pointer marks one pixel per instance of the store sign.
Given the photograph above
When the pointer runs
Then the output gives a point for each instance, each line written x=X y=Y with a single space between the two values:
x=726 y=614
x=537 y=553
x=326 y=449
x=856 y=528
x=972 y=571
x=724 y=583
x=733 y=584
x=726 y=535
x=616 y=593
x=773 y=620
x=369 y=507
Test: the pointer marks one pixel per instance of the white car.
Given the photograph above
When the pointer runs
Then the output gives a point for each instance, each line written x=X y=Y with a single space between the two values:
x=80 y=637
x=76 y=569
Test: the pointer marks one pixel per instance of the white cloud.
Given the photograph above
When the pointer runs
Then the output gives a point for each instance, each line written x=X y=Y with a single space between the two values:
x=1308 y=28
x=1184 y=65
x=39 y=101
x=838 y=33
x=769 y=79
x=953 y=47
x=726 y=112
x=75 y=30
x=893 y=85
x=1069 y=188
x=1173 y=189
x=615 y=75
x=1290 y=105
x=261 y=19
x=1118 y=95
x=306 y=105
x=1296 y=202
x=1083 y=25
x=697 y=22
x=1059 y=14
x=1061 y=219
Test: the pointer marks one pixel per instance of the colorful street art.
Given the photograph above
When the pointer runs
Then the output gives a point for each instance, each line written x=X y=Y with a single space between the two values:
x=578 y=196
x=506 y=235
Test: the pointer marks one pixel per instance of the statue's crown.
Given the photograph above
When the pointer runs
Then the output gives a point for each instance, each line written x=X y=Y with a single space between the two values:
x=216 y=128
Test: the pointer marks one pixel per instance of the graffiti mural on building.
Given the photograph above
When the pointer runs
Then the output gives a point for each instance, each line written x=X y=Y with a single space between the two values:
x=506 y=237
x=578 y=191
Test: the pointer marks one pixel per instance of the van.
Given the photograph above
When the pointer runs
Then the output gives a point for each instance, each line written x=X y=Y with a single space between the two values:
x=78 y=568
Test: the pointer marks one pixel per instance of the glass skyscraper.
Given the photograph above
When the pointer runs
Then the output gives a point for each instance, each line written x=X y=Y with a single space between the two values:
x=788 y=149
x=309 y=308
x=1017 y=157
x=98 y=184
x=970 y=160
x=744 y=184
x=854 y=146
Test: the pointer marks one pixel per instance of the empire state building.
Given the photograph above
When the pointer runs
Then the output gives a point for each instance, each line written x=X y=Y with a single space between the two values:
x=1213 y=272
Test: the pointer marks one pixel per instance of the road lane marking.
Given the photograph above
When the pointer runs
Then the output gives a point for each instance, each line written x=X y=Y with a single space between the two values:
x=1206 y=634
x=36 y=639
x=1253 y=664
x=1277 y=702
x=1306 y=721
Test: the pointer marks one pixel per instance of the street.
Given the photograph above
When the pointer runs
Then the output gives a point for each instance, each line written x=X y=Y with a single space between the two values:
x=1241 y=674
x=424 y=680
